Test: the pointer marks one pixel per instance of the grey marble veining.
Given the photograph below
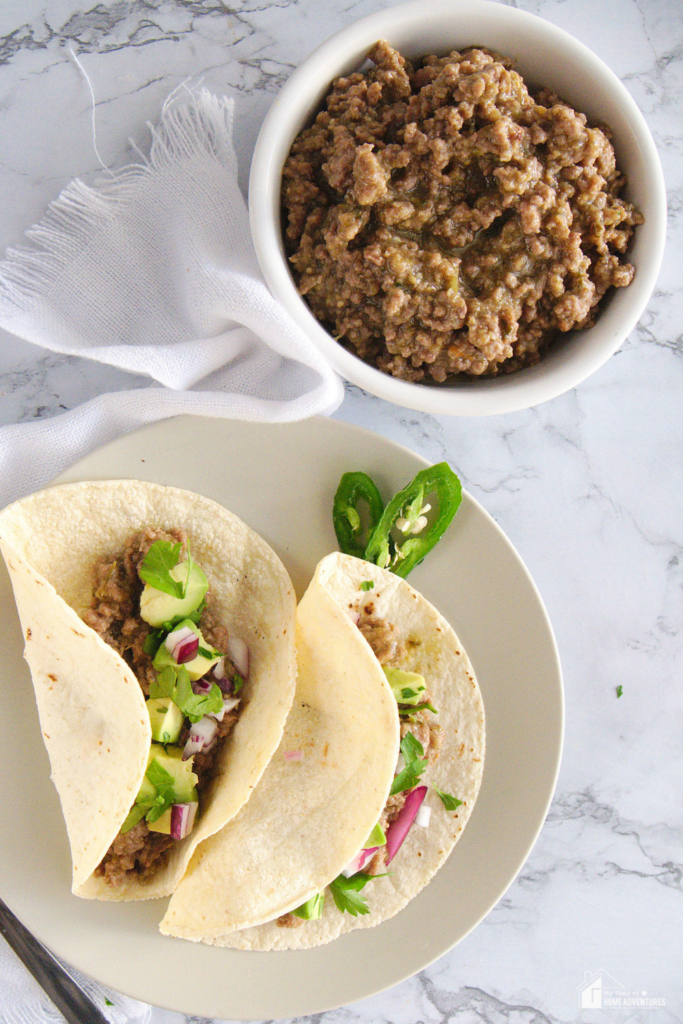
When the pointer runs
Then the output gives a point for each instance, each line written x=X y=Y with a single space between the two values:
x=588 y=487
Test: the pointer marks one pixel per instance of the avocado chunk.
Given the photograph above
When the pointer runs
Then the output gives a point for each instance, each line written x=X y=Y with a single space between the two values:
x=184 y=779
x=157 y=607
x=199 y=665
x=163 y=823
x=166 y=719
x=407 y=687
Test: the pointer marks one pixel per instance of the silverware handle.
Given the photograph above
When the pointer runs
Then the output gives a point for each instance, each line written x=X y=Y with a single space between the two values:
x=70 y=1000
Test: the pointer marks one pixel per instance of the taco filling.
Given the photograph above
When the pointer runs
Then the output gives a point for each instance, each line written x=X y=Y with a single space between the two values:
x=151 y=603
x=420 y=746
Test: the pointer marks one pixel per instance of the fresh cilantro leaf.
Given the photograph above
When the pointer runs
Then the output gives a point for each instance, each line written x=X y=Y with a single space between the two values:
x=311 y=909
x=165 y=683
x=135 y=814
x=108 y=1002
x=415 y=765
x=411 y=748
x=367 y=585
x=206 y=653
x=156 y=567
x=193 y=705
x=163 y=783
x=345 y=893
x=237 y=683
x=158 y=776
x=418 y=707
x=154 y=640
x=451 y=803
x=620 y=690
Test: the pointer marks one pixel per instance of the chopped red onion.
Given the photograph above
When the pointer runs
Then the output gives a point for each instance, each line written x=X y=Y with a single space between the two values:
x=294 y=755
x=423 y=815
x=228 y=704
x=177 y=637
x=239 y=654
x=400 y=828
x=355 y=617
x=202 y=687
x=219 y=669
x=182 y=819
x=202 y=736
x=359 y=861
x=186 y=650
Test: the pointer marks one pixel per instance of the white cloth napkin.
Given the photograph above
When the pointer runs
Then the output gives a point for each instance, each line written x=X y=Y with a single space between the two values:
x=154 y=271
x=22 y=1000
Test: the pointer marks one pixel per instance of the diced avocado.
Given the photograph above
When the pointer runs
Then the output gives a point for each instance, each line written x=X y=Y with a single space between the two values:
x=376 y=837
x=157 y=607
x=166 y=719
x=162 y=824
x=196 y=668
x=311 y=909
x=407 y=687
x=184 y=779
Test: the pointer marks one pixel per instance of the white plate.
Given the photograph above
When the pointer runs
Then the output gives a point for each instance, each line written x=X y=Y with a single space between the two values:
x=281 y=480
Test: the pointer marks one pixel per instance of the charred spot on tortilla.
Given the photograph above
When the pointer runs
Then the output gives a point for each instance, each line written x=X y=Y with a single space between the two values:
x=28 y=634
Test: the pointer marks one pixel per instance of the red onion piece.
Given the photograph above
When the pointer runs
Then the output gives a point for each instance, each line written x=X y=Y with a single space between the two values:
x=228 y=704
x=176 y=637
x=182 y=819
x=355 y=617
x=359 y=861
x=202 y=687
x=186 y=650
x=239 y=655
x=219 y=669
x=202 y=736
x=423 y=816
x=400 y=828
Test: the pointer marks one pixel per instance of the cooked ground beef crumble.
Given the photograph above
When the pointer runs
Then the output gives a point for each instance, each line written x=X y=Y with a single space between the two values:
x=114 y=614
x=443 y=220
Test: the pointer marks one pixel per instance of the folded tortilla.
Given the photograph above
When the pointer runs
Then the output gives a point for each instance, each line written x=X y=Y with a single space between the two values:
x=306 y=822
x=91 y=707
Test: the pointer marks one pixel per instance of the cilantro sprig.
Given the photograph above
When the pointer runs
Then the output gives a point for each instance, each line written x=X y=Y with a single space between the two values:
x=163 y=556
x=415 y=765
x=174 y=682
x=345 y=893
x=451 y=803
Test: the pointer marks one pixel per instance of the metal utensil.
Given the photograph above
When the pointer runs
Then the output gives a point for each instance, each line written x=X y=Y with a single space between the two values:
x=70 y=1000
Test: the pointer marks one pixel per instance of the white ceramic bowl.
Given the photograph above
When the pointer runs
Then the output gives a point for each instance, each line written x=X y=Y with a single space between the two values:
x=544 y=55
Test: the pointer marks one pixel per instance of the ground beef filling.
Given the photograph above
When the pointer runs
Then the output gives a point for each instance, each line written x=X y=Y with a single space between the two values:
x=444 y=221
x=114 y=614
x=389 y=649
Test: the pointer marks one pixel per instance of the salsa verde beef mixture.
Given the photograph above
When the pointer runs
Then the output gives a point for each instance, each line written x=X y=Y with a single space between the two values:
x=420 y=746
x=444 y=220
x=178 y=652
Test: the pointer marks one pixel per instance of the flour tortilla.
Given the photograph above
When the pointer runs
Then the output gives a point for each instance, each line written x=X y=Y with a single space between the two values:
x=91 y=708
x=435 y=652
x=307 y=817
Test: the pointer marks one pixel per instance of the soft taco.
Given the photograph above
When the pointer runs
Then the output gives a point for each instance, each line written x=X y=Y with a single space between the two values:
x=311 y=860
x=159 y=632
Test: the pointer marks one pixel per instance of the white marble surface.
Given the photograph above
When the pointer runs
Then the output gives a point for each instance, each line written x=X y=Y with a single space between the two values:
x=588 y=487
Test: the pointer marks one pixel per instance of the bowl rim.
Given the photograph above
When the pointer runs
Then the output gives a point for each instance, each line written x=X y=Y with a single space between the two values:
x=291 y=107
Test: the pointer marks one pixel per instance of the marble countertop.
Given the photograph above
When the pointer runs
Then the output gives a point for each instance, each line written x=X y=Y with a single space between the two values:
x=588 y=487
